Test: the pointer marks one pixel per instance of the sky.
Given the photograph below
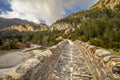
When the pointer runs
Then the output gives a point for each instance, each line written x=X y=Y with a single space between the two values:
x=42 y=11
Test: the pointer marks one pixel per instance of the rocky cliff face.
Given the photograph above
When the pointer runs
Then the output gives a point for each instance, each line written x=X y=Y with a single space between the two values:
x=106 y=3
x=60 y=26
x=28 y=27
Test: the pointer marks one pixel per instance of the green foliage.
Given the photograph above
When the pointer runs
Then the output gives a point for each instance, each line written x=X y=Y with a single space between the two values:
x=100 y=27
x=18 y=40
x=9 y=44
x=114 y=52
x=97 y=41
x=117 y=7
x=83 y=38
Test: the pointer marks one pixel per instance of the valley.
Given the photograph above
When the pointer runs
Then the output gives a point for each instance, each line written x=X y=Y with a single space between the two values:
x=81 y=46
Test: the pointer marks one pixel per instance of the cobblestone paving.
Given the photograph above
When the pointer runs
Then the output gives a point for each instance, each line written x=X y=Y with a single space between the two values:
x=71 y=66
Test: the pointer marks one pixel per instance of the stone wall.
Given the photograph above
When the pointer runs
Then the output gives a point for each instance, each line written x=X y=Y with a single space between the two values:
x=37 y=67
x=104 y=62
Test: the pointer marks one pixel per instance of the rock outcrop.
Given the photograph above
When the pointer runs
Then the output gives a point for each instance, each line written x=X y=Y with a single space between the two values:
x=60 y=26
x=28 y=27
x=106 y=3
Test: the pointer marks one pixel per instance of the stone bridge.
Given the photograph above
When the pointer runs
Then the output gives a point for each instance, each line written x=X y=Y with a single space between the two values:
x=65 y=61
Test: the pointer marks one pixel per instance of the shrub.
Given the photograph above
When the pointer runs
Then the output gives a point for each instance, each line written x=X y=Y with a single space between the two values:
x=97 y=42
x=83 y=38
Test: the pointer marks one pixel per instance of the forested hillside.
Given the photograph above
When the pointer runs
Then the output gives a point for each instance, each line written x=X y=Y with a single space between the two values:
x=100 y=27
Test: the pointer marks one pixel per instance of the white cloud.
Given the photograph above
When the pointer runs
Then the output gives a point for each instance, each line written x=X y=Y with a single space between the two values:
x=48 y=10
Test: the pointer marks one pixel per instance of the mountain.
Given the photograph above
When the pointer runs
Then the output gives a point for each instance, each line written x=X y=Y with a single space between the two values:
x=9 y=22
x=102 y=9
x=106 y=3
x=21 y=25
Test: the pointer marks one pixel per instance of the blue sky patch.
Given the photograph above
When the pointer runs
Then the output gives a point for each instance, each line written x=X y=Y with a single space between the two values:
x=76 y=9
x=42 y=21
x=5 y=6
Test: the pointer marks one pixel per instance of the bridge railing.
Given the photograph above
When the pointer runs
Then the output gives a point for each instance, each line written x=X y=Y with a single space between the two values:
x=38 y=67
x=108 y=65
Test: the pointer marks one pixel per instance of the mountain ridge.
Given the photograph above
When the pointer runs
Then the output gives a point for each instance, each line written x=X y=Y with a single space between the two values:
x=21 y=25
x=28 y=27
x=7 y=22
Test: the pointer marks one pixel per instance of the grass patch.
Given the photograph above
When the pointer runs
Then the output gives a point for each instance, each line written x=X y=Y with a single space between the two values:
x=39 y=48
x=114 y=52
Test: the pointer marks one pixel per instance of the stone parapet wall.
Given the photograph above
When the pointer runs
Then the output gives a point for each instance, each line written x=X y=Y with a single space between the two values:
x=37 y=67
x=109 y=63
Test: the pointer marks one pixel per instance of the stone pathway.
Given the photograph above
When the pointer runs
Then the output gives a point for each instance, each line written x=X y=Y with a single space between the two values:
x=71 y=66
